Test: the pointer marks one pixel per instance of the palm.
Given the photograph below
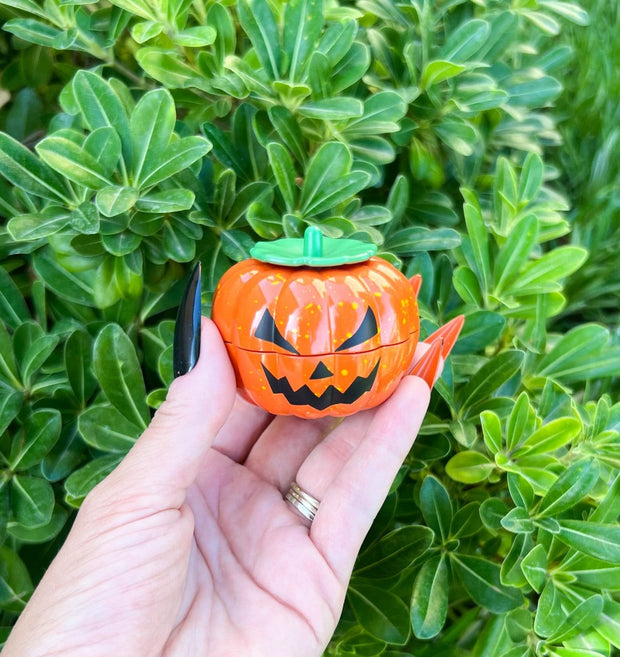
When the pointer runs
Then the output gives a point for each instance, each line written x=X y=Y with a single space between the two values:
x=257 y=568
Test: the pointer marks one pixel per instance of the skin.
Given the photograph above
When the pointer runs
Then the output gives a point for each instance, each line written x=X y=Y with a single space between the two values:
x=188 y=548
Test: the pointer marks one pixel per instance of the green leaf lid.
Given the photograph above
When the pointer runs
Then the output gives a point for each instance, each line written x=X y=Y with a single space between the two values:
x=314 y=250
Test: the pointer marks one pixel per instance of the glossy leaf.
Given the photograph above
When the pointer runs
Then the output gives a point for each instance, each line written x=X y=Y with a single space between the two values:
x=82 y=481
x=32 y=500
x=41 y=432
x=259 y=24
x=570 y=488
x=394 y=552
x=429 y=602
x=596 y=540
x=480 y=577
x=469 y=467
x=436 y=506
x=381 y=613
x=118 y=372
x=106 y=429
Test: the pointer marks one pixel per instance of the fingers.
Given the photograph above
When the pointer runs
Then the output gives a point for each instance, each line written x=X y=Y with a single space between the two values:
x=284 y=446
x=169 y=453
x=362 y=471
x=241 y=430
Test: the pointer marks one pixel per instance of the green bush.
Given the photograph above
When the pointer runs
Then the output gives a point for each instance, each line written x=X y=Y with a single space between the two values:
x=141 y=136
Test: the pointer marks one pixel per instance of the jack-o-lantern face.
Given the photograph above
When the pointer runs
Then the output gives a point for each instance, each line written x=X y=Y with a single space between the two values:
x=317 y=341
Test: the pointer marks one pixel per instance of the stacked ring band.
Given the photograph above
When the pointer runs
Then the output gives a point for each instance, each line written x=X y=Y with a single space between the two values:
x=304 y=503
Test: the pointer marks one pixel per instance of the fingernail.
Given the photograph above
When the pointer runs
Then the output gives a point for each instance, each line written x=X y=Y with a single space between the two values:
x=416 y=284
x=427 y=367
x=448 y=333
x=186 y=347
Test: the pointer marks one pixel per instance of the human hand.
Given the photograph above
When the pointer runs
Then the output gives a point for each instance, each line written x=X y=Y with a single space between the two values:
x=189 y=549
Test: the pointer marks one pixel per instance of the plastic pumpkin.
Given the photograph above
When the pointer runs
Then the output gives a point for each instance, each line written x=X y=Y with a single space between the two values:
x=317 y=326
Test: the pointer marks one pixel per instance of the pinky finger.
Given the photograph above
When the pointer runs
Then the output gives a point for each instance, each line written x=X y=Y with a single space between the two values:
x=352 y=501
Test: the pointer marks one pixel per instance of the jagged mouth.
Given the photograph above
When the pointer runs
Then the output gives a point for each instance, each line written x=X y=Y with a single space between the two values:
x=330 y=396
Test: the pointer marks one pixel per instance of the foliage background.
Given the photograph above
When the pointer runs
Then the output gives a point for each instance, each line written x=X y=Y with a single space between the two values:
x=472 y=140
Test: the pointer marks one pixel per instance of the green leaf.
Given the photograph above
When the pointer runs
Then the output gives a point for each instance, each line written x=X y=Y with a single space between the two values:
x=73 y=287
x=383 y=112
x=41 y=534
x=328 y=181
x=195 y=37
x=82 y=481
x=104 y=428
x=41 y=431
x=119 y=374
x=236 y=244
x=416 y=239
x=490 y=377
x=284 y=172
x=381 y=613
x=104 y=145
x=594 y=539
x=478 y=236
x=101 y=107
x=21 y=168
x=71 y=161
x=521 y=491
x=437 y=71
x=568 y=10
x=78 y=363
x=169 y=200
x=491 y=431
x=518 y=421
x=332 y=109
x=177 y=156
x=481 y=579
x=550 y=437
x=85 y=218
x=32 y=499
x=151 y=127
x=259 y=24
x=467 y=286
x=515 y=252
x=543 y=274
x=303 y=22
x=582 y=618
x=576 y=355
x=534 y=567
x=436 y=506
x=429 y=602
x=8 y=364
x=481 y=329
x=49 y=221
x=394 y=552
x=114 y=200
x=518 y=521
x=286 y=126
x=464 y=42
x=531 y=89
x=146 y=30
x=15 y=583
x=469 y=467
x=11 y=402
x=459 y=135
x=32 y=30
x=167 y=67
x=13 y=308
x=531 y=179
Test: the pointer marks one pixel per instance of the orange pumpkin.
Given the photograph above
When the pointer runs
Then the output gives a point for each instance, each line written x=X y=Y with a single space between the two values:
x=323 y=339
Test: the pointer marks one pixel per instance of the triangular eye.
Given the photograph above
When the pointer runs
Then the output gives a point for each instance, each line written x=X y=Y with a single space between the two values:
x=267 y=330
x=367 y=329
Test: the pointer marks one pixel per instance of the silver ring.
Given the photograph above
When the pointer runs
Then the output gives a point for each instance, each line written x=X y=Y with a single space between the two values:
x=302 y=501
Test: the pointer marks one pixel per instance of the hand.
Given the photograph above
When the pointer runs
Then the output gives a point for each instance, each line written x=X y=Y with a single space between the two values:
x=189 y=549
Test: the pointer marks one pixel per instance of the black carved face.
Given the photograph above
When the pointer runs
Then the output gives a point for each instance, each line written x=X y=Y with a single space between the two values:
x=268 y=331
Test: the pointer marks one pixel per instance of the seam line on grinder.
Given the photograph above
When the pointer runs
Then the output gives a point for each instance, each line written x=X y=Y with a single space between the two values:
x=352 y=353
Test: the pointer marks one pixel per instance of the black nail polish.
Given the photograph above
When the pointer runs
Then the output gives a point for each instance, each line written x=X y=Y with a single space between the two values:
x=186 y=347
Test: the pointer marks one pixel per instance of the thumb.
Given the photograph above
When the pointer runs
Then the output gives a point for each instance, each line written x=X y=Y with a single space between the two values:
x=169 y=454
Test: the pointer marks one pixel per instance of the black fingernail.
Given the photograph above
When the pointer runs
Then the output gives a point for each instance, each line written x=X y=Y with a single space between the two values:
x=186 y=347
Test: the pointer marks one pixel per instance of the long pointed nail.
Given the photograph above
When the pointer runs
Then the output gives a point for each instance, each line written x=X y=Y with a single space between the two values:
x=186 y=347
x=416 y=284
x=428 y=366
x=448 y=333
